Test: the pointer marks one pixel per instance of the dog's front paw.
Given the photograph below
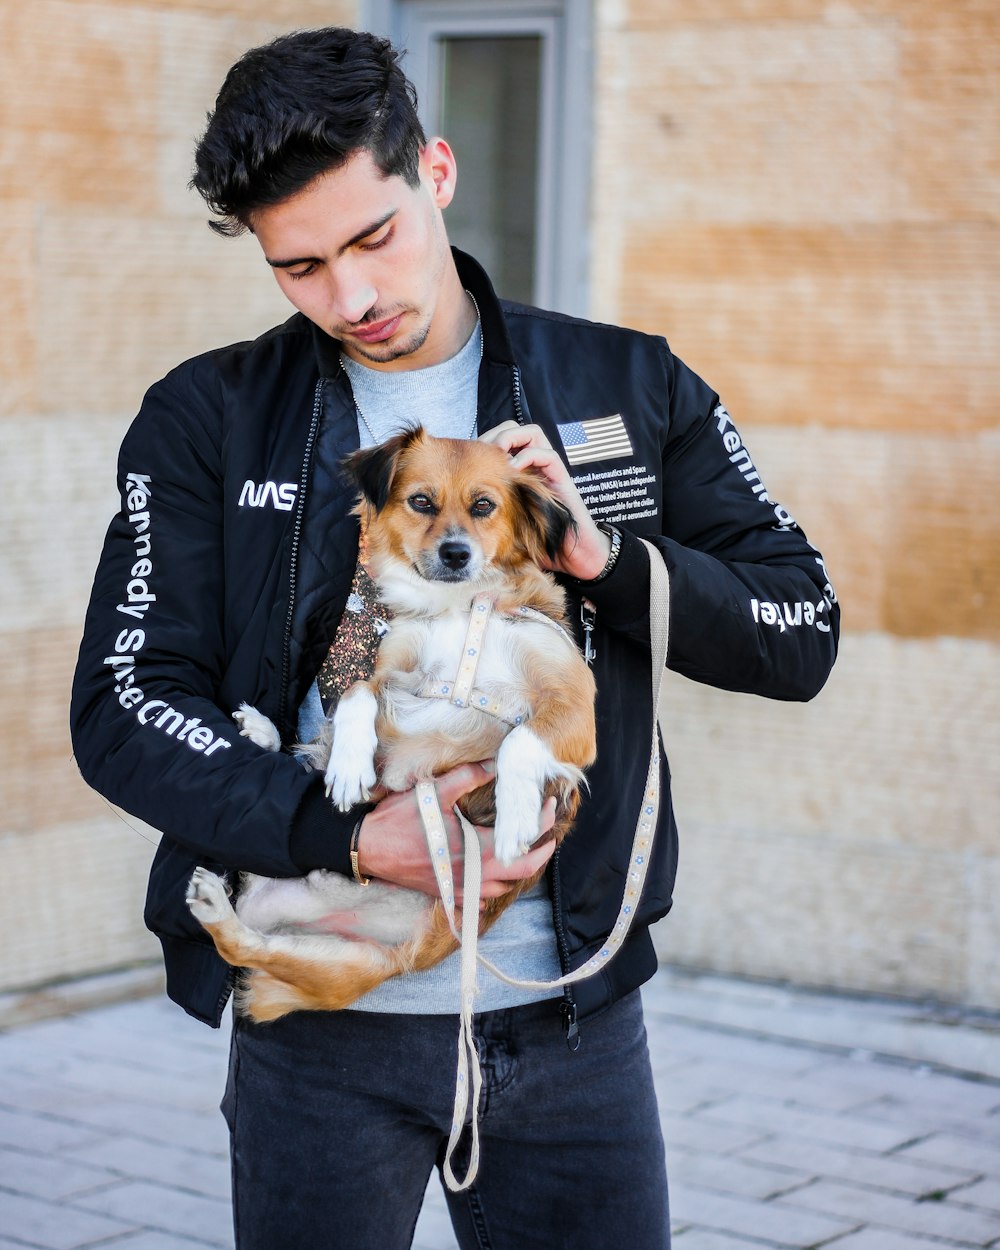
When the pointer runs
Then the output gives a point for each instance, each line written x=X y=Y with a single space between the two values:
x=522 y=764
x=255 y=726
x=516 y=828
x=208 y=897
x=350 y=779
x=350 y=773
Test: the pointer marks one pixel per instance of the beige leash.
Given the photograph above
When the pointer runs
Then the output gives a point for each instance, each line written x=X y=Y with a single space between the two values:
x=437 y=841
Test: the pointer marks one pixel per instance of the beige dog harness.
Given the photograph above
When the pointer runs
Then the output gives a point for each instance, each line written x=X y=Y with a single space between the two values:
x=437 y=842
x=460 y=691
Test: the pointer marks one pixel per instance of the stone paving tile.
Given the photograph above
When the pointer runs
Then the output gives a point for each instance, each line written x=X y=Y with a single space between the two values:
x=766 y=1221
x=103 y=1077
x=54 y=1226
x=44 y=1176
x=699 y=1239
x=18 y=1128
x=152 y=1241
x=869 y=1206
x=178 y=1166
x=922 y=1085
x=884 y=1239
x=731 y=1175
x=945 y=1148
x=984 y=1194
x=893 y=1172
x=204 y=1131
x=693 y=1133
x=170 y=1210
x=925 y=1118
x=810 y=1090
x=773 y=1117
x=737 y=1050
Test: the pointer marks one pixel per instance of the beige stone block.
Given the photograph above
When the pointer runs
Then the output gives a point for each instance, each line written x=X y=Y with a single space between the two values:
x=983 y=884
x=900 y=749
x=39 y=780
x=950 y=112
x=943 y=557
x=111 y=329
x=759 y=123
x=79 y=102
x=288 y=14
x=18 y=308
x=892 y=327
x=73 y=899
x=57 y=495
x=837 y=912
x=909 y=525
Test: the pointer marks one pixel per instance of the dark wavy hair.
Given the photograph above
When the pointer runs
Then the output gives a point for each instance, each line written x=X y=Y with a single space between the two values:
x=298 y=107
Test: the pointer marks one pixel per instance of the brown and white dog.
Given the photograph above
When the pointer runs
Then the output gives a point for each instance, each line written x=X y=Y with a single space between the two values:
x=444 y=520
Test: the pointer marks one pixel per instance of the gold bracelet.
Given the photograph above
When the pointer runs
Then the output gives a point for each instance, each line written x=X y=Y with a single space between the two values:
x=355 y=837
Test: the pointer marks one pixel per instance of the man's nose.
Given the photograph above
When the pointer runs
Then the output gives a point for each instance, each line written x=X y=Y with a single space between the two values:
x=354 y=300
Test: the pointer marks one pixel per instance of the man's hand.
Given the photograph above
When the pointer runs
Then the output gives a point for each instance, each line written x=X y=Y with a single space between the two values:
x=585 y=553
x=393 y=847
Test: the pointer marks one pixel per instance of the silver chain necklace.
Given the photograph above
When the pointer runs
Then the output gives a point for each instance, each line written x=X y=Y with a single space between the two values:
x=475 y=420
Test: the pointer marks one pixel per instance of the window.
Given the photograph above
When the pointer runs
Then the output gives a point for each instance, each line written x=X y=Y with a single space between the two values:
x=508 y=85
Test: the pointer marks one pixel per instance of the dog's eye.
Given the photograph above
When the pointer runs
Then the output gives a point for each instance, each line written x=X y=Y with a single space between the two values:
x=420 y=503
x=483 y=507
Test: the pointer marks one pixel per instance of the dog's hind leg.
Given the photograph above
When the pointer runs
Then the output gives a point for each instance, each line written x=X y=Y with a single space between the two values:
x=289 y=971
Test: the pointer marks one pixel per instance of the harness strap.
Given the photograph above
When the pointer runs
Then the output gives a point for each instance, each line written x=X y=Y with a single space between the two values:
x=640 y=857
x=478 y=699
x=479 y=615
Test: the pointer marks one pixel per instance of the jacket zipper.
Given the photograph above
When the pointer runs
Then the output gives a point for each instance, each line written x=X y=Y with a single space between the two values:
x=294 y=558
x=518 y=410
x=567 y=1008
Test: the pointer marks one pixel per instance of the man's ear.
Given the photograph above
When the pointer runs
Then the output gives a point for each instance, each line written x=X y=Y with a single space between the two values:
x=438 y=165
x=373 y=468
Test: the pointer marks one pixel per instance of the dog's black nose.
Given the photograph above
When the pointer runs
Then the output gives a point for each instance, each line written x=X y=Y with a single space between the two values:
x=454 y=555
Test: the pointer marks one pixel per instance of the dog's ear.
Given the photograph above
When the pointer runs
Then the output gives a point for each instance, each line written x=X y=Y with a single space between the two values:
x=549 y=520
x=373 y=468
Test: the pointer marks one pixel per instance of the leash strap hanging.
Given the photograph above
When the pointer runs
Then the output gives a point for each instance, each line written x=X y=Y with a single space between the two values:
x=641 y=854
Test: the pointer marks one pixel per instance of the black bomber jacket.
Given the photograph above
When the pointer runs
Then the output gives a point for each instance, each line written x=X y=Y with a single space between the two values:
x=225 y=572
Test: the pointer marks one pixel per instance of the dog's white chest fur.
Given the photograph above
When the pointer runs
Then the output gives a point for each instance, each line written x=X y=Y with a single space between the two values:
x=430 y=653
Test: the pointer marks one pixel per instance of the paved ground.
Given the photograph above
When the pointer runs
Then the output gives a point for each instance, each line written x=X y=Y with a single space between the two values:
x=792 y=1120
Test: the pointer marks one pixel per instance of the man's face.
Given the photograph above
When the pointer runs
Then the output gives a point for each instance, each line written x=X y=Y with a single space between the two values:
x=366 y=258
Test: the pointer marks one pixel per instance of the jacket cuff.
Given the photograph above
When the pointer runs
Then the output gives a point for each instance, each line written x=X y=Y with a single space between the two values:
x=320 y=836
x=622 y=598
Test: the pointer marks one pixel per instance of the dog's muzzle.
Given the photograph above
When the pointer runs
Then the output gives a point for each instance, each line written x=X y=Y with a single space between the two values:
x=452 y=561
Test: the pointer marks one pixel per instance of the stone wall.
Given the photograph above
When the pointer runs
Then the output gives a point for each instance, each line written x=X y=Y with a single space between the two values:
x=804 y=198
x=110 y=278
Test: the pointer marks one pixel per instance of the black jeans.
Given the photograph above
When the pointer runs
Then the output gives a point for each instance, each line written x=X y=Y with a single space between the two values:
x=337 y=1119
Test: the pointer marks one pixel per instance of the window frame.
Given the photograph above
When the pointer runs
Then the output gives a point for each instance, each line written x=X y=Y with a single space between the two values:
x=562 y=210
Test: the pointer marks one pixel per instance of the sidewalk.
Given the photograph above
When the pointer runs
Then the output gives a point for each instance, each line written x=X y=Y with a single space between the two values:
x=792 y=1120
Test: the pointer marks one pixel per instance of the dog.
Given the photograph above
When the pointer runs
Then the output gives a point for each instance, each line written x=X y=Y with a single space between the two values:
x=451 y=529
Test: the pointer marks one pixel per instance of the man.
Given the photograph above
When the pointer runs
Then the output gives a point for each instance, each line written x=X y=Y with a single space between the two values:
x=232 y=574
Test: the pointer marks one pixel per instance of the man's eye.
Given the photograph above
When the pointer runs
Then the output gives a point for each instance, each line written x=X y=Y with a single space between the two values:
x=420 y=503
x=483 y=506
x=373 y=244
x=300 y=273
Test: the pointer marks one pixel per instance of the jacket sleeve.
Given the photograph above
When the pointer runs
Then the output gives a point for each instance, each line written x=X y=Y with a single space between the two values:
x=751 y=606
x=147 y=730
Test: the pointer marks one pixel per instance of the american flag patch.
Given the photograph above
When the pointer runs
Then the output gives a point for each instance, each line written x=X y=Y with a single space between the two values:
x=604 y=438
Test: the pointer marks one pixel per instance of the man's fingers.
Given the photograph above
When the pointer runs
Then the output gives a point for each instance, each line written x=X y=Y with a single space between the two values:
x=509 y=435
x=452 y=785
